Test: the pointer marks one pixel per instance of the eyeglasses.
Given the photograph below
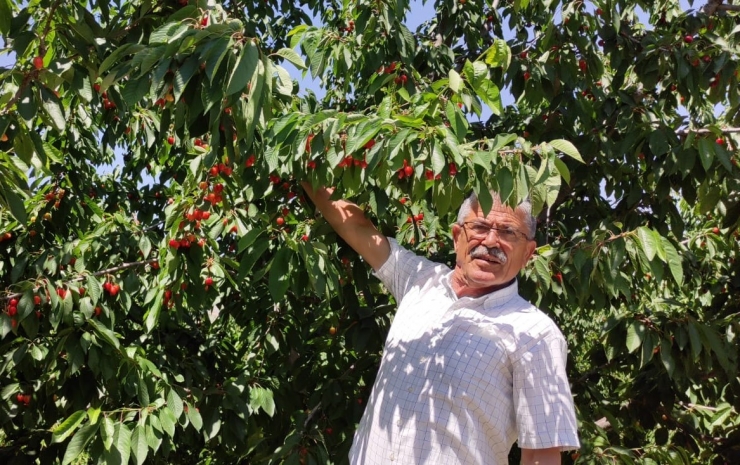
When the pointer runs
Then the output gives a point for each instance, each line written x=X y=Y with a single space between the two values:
x=480 y=231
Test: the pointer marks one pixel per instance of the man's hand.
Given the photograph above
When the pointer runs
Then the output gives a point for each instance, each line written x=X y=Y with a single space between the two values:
x=349 y=221
x=549 y=456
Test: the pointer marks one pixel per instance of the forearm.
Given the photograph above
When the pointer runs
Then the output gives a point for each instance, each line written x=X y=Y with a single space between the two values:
x=549 y=456
x=349 y=221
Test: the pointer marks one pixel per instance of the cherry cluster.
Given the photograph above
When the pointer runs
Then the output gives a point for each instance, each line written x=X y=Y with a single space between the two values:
x=111 y=288
x=407 y=171
x=24 y=399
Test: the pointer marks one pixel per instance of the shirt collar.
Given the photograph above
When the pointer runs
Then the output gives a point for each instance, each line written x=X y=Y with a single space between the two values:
x=490 y=300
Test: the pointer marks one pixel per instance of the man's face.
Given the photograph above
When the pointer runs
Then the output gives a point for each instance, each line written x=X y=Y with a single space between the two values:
x=489 y=259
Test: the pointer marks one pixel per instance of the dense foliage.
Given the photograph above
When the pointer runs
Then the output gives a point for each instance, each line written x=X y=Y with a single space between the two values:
x=186 y=305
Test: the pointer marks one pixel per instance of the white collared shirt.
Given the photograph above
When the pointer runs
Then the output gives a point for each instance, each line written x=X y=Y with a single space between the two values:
x=462 y=379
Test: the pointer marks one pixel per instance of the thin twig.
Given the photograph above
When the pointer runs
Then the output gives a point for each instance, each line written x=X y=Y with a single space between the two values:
x=684 y=132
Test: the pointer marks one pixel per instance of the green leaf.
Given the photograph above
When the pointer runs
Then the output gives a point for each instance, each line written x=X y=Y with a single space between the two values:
x=279 y=274
x=666 y=357
x=562 y=169
x=706 y=152
x=168 y=33
x=293 y=57
x=567 y=148
x=109 y=429
x=139 y=446
x=120 y=450
x=154 y=432
x=5 y=15
x=694 y=338
x=674 y=260
x=106 y=334
x=491 y=96
x=174 y=403
x=167 y=420
x=194 y=416
x=456 y=82
x=261 y=398
x=658 y=143
x=635 y=335
x=8 y=390
x=78 y=443
x=498 y=54
x=15 y=203
x=64 y=429
x=647 y=241
x=53 y=108
x=438 y=158
x=244 y=70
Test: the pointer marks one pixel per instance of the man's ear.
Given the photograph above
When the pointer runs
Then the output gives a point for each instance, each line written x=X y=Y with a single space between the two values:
x=456 y=230
x=531 y=247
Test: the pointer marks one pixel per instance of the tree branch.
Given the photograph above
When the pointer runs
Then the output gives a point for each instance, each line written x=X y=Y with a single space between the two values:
x=114 y=269
x=711 y=7
x=684 y=132
x=729 y=7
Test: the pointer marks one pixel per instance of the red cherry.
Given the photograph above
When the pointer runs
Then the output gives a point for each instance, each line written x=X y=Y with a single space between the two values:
x=204 y=21
x=37 y=300
x=61 y=292
x=12 y=311
x=408 y=170
x=208 y=281
x=171 y=140
x=304 y=238
x=114 y=289
x=213 y=171
x=174 y=243
x=250 y=161
x=720 y=141
x=582 y=65
x=527 y=75
x=280 y=221
x=599 y=11
x=98 y=311
x=96 y=87
x=688 y=39
x=13 y=302
x=370 y=144
x=715 y=230
x=38 y=62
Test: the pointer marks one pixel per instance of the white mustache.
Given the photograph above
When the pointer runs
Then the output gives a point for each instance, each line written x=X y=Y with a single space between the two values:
x=482 y=251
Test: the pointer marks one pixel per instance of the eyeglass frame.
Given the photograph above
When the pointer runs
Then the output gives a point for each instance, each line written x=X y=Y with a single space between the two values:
x=481 y=236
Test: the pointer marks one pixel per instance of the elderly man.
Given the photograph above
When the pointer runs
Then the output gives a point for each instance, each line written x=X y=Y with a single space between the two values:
x=469 y=367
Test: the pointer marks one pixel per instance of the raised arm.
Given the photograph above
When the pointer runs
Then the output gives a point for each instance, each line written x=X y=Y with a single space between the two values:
x=349 y=221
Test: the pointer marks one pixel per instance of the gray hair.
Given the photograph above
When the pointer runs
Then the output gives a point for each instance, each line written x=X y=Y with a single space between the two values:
x=525 y=207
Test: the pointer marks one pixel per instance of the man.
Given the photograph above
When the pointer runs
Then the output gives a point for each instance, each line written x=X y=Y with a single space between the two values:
x=468 y=366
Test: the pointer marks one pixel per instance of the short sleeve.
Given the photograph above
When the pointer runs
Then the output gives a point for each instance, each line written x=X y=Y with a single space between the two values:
x=545 y=413
x=404 y=269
